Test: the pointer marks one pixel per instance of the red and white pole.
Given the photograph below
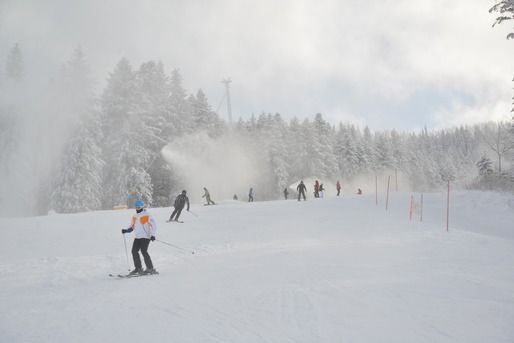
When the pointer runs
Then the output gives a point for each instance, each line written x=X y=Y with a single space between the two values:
x=410 y=213
x=376 y=189
x=387 y=196
x=421 y=219
x=448 y=209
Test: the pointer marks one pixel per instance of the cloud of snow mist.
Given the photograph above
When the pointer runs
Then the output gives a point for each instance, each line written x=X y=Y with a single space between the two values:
x=222 y=165
x=38 y=124
x=372 y=183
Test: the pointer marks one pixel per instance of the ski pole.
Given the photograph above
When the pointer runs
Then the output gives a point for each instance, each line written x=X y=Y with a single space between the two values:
x=182 y=249
x=126 y=252
x=196 y=215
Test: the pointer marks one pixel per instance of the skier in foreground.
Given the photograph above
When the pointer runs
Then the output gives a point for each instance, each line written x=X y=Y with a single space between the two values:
x=180 y=202
x=145 y=227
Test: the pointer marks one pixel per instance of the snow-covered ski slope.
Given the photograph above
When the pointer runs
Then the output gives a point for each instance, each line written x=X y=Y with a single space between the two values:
x=337 y=269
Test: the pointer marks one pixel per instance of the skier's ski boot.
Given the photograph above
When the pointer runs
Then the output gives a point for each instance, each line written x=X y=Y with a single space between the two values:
x=137 y=271
x=150 y=271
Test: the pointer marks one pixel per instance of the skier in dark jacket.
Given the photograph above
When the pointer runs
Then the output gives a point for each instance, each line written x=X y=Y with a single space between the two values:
x=180 y=202
x=301 y=190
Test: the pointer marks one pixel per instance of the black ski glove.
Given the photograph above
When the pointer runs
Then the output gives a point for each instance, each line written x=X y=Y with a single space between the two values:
x=152 y=238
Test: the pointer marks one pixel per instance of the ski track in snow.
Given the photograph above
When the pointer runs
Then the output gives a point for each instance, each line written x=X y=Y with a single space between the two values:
x=324 y=270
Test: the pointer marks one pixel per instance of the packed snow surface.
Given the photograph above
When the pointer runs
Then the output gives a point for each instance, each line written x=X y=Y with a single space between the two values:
x=337 y=269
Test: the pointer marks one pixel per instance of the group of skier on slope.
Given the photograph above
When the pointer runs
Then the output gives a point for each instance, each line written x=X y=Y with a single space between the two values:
x=145 y=227
x=318 y=190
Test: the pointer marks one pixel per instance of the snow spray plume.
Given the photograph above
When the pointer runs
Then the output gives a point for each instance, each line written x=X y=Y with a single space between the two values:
x=222 y=165
x=37 y=123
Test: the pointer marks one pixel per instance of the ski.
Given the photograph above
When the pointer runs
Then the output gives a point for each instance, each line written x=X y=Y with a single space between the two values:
x=128 y=276
x=209 y=204
x=176 y=221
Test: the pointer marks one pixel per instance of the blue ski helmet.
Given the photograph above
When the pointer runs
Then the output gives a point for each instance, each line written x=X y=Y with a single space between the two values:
x=139 y=204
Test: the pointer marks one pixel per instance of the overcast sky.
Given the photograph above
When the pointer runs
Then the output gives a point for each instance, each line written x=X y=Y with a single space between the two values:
x=399 y=64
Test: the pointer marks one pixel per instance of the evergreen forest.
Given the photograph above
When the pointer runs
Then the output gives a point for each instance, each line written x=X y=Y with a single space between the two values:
x=66 y=147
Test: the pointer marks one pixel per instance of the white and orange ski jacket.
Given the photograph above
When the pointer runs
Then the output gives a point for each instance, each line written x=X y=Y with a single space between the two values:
x=144 y=225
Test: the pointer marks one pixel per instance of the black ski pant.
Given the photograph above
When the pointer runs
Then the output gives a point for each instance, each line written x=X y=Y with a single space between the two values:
x=141 y=244
x=177 y=212
x=300 y=194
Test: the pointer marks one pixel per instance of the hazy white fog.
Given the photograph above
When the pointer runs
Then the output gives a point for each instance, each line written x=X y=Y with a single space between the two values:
x=385 y=64
x=382 y=64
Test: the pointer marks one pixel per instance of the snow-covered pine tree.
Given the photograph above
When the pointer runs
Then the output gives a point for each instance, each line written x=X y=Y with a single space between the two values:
x=303 y=137
x=15 y=66
x=367 y=152
x=484 y=166
x=292 y=137
x=260 y=142
x=12 y=90
x=154 y=111
x=77 y=181
x=346 y=151
x=384 y=159
x=506 y=10
x=497 y=137
x=204 y=118
x=278 y=155
x=323 y=156
x=17 y=157
x=125 y=152
x=272 y=149
x=180 y=120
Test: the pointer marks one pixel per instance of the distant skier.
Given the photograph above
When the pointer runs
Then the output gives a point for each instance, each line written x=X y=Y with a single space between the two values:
x=359 y=192
x=180 y=202
x=208 y=197
x=301 y=190
x=316 y=189
x=338 y=187
x=286 y=193
x=145 y=227
x=250 y=195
